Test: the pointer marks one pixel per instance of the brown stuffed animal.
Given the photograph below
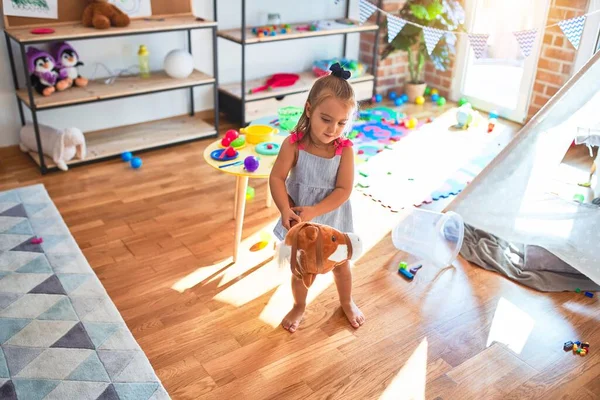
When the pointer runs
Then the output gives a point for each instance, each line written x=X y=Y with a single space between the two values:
x=317 y=249
x=102 y=15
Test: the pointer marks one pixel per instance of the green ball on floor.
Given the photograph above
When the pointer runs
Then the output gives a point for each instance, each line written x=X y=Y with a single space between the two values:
x=441 y=101
x=462 y=101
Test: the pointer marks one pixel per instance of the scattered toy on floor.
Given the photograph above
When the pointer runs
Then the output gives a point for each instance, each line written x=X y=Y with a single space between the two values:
x=136 y=163
x=393 y=95
x=435 y=97
x=462 y=101
x=406 y=273
x=434 y=91
x=37 y=240
x=420 y=100
x=441 y=101
x=250 y=193
x=377 y=98
x=414 y=269
x=126 y=156
x=398 y=101
x=427 y=91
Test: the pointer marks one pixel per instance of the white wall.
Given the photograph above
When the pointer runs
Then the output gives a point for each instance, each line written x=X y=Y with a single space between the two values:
x=261 y=60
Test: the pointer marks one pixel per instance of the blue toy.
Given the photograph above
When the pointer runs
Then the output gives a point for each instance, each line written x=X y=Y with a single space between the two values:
x=378 y=98
x=404 y=97
x=398 y=101
x=393 y=95
x=406 y=273
x=126 y=156
x=494 y=114
x=136 y=162
x=251 y=163
x=435 y=97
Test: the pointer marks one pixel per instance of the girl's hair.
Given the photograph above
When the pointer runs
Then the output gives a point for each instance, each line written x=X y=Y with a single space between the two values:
x=324 y=88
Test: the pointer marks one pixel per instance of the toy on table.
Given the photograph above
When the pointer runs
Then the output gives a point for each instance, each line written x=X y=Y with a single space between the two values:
x=289 y=117
x=61 y=145
x=312 y=249
x=356 y=68
x=43 y=73
x=420 y=100
x=277 y=80
x=462 y=101
x=232 y=138
x=492 y=121
x=100 y=14
x=256 y=134
x=226 y=154
x=68 y=63
x=268 y=148
x=464 y=116
x=251 y=163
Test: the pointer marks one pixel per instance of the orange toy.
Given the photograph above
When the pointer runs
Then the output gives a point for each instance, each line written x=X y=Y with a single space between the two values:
x=317 y=249
x=100 y=14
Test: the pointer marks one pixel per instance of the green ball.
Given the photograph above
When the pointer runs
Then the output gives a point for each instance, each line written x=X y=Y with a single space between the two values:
x=462 y=101
x=427 y=91
x=441 y=101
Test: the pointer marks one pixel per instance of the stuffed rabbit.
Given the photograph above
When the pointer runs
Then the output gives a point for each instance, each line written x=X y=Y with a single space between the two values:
x=61 y=145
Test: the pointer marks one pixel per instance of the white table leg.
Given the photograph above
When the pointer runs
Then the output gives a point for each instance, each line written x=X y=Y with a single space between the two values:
x=269 y=198
x=240 y=205
x=235 y=196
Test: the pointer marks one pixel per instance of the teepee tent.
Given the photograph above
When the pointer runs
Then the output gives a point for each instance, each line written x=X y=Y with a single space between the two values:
x=509 y=202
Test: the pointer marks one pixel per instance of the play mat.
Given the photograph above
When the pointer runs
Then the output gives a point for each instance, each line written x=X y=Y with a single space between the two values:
x=399 y=166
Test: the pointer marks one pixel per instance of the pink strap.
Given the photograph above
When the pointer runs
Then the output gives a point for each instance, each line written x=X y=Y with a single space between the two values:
x=296 y=137
x=340 y=144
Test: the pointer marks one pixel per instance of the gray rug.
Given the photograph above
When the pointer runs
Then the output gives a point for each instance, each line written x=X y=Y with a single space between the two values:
x=61 y=336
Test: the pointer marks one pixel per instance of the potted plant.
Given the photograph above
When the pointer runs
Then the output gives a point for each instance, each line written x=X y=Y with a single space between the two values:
x=447 y=15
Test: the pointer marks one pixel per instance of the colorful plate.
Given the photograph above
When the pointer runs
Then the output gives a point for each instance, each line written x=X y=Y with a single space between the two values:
x=262 y=148
x=215 y=155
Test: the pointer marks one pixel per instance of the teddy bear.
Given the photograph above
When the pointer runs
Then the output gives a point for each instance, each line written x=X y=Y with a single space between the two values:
x=61 y=145
x=313 y=249
x=100 y=14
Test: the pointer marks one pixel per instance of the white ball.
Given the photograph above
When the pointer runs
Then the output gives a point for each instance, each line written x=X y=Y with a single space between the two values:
x=179 y=64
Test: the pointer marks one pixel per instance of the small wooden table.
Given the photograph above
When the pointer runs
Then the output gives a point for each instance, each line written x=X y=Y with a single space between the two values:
x=241 y=184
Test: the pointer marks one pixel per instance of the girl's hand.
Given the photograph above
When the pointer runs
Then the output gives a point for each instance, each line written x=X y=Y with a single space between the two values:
x=306 y=213
x=289 y=218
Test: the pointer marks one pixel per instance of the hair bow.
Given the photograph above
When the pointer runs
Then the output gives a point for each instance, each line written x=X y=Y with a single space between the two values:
x=337 y=70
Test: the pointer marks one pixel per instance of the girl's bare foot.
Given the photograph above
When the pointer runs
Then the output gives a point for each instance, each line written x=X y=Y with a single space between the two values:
x=292 y=320
x=354 y=315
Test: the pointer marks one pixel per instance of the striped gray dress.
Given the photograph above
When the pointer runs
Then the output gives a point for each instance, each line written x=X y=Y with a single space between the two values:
x=311 y=180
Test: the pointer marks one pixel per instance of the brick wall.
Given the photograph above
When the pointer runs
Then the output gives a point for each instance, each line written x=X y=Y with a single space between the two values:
x=392 y=73
x=557 y=56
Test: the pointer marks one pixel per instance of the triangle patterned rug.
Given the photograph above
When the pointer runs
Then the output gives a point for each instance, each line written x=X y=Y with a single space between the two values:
x=61 y=337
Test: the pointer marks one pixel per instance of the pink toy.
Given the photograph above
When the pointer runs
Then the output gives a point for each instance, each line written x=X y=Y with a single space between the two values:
x=37 y=240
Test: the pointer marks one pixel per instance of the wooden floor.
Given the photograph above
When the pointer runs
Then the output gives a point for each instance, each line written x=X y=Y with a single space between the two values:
x=160 y=240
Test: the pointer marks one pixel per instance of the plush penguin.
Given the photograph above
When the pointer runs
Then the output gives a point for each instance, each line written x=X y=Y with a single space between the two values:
x=43 y=72
x=67 y=63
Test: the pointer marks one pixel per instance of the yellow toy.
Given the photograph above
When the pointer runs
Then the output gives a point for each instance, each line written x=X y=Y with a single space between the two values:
x=434 y=91
x=420 y=100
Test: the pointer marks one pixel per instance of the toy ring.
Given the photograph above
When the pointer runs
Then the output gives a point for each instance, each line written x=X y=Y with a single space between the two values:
x=268 y=148
x=216 y=155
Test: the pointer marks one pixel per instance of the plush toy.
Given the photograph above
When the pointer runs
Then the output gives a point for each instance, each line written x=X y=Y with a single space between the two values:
x=61 y=145
x=67 y=62
x=43 y=72
x=100 y=14
x=313 y=249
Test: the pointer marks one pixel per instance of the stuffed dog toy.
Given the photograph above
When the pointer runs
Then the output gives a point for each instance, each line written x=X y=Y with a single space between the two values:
x=59 y=144
x=313 y=249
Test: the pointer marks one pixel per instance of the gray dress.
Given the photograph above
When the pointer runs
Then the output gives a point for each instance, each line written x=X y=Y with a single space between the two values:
x=310 y=181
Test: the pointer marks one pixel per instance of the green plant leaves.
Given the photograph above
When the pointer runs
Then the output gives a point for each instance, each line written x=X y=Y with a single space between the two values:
x=419 y=11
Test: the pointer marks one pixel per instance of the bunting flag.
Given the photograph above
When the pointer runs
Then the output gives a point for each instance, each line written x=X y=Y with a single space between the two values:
x=526 y=40
x=573 y=28
x=366 y=10
x=395 y=25
x=478 y=42
x=432 y=37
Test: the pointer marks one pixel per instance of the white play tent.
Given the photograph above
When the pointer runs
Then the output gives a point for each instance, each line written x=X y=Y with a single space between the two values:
x=510 y=198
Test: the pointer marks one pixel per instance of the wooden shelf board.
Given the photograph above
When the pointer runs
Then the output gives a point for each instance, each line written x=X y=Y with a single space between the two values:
x=66 y=31
x=110 y=142
x=236 y=34
x=123 y=86
x=304 y=84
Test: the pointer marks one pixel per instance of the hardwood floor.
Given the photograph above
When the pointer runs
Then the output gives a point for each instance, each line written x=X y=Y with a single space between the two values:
x=160 y=239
